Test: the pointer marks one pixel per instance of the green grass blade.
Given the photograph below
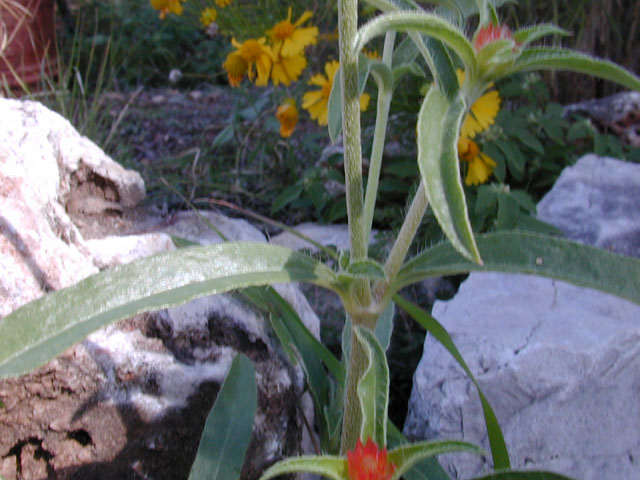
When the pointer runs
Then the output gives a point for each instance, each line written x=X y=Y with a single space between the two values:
x=499 y=451
x=227 y=432
x=561 y=59
x=42 y=329
x=406 y=456
x=438 y=126
x=536 y=254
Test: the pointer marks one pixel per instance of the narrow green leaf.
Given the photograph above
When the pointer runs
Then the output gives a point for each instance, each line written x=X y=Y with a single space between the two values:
x=438 y=126
x=532 y=253
x=44 y=328
x=406 y=456
x=508 y=211
x=527 y=35
x=525 y=475
x=428 y=24
x=384 y=326
x=427 y=469
x=227 y=432
x=224 y=137
x=561 y=59
x=328 y=466
x=499 y=451
x=405 y=53
x=373 y=388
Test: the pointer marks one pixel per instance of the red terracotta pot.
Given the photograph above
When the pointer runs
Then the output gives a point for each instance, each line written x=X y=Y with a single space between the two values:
x=31 y=47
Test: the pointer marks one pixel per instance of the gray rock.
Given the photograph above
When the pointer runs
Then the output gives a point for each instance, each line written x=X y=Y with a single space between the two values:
x=596 y=202
x=334 y=235
x=559 y=364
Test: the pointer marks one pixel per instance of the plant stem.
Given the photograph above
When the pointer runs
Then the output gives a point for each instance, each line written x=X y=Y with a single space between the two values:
x=347 y=24
x=382 y=115
x=403 y=241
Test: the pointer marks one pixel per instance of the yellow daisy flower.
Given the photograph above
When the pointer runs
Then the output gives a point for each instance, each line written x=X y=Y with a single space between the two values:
x=289 y=39
x=480 y=165
x=167 y=6
x=208 y=16
x=223 y=3
x=316 y=102
x=287 y=69
x=287 y=115
x=249 y=54
x=482 y=113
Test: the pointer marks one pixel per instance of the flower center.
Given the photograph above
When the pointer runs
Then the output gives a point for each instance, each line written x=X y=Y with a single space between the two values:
x=467 y=149
x=283 y=30
x=326 y=89
x=251 y=50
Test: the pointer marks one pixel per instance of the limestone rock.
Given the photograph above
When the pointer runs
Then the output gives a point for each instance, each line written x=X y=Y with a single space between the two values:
x=596 y=202
x=559 y=364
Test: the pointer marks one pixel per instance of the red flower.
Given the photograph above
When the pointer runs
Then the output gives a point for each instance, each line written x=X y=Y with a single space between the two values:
x=368 y=463
x=490 y=34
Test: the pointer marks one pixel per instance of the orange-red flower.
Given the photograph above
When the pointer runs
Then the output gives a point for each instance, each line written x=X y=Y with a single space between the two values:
x=491 y=33
x=369 y=463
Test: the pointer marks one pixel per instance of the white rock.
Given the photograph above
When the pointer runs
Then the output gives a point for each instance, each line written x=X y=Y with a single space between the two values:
x=596 y=202
x=335 y=235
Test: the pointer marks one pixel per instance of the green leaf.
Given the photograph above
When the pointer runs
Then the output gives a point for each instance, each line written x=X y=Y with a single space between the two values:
x=224 y=137
x=373 y=388
x=508 y=211
x=287 y=196
x=384 y=326
x=499 y=452
x=428 y=24
x=42 y=329
x=428 y=469
x=406 y=456
x=526 y=475
x=527 y=35
x=562 y=59
x=227 y=432
x=524 y=252
x=328 y=466
x=369 y=269
x=438 y=126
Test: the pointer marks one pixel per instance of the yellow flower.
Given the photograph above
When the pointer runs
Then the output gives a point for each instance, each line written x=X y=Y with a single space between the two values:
x=289 y=39
x=249 y=54
x=482 y=114
x=316 y=102
x=208 y=16
x=480 y=165
x=287 y=69
x=167 y=6
x=287 y=115
x=223 y=3
x=372 y=54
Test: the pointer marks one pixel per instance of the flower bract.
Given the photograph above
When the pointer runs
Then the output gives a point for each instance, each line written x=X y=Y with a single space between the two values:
x=250 y=56
x=291 y=38
x=287 y=115
x=316 y=102
x=489 y=34
x=368 y=462
x=167 y=6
